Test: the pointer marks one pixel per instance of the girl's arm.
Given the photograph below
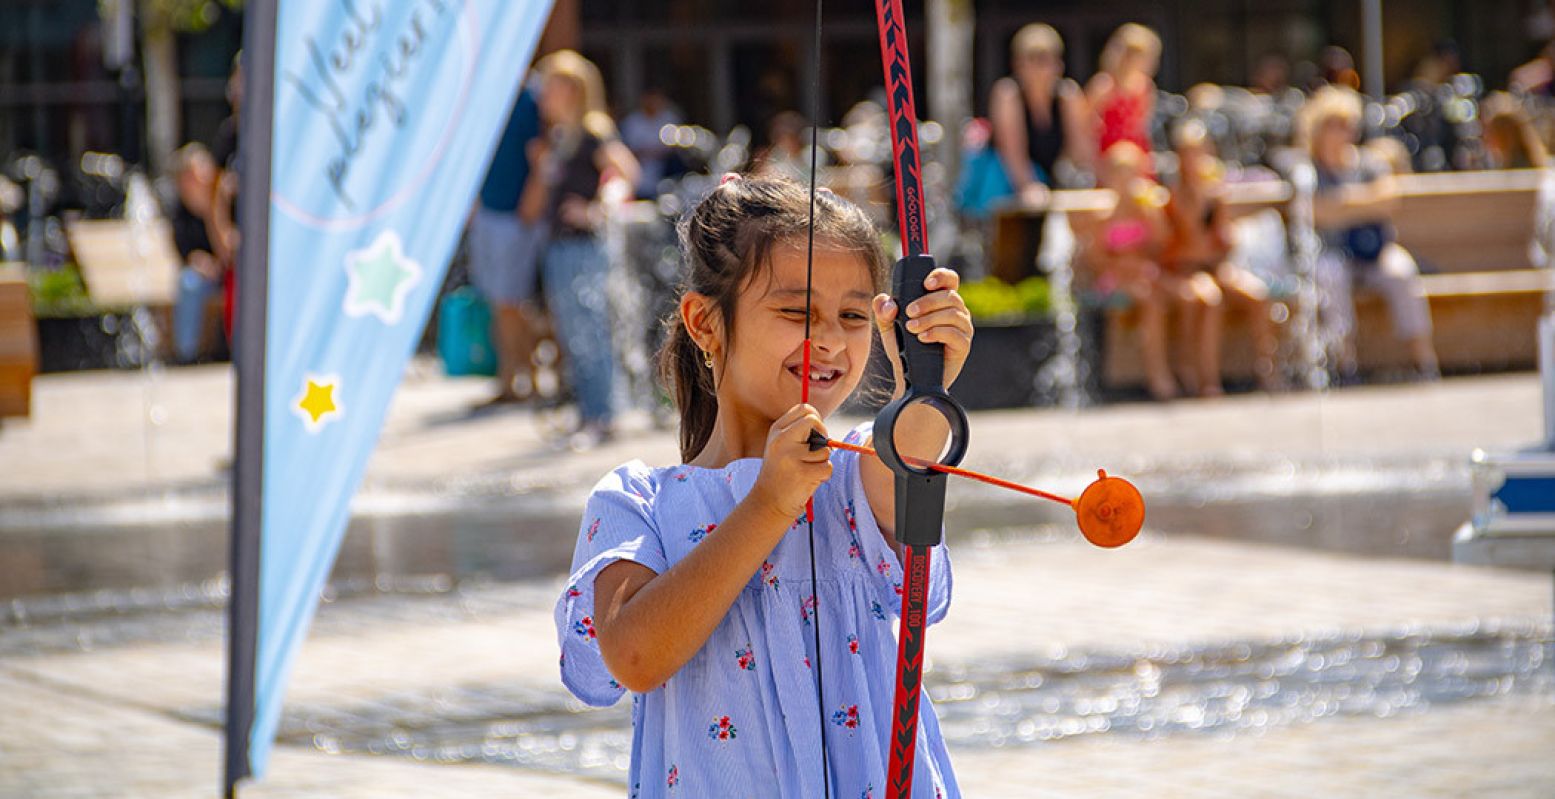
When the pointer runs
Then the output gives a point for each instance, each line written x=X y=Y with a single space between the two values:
x=1079 y=125
x=614 y=157
x=1007 y=112
x=1376 y=201
x=220 y=226
x=937 y=317
x=531 y=204
x=649 y=625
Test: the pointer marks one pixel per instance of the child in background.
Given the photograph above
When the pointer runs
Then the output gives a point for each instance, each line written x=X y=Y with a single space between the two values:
x=1199 y=274
x=1123 y=249
x=691 y=585
x=1123 y=92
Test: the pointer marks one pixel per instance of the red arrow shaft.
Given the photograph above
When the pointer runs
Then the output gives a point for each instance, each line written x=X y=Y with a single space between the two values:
x=959 y=472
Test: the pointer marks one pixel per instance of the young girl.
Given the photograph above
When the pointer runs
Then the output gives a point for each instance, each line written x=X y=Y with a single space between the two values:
x=1123 y=92
x=1201 y=276
x=1123 y=248
x=577 y=153
x=691 y=585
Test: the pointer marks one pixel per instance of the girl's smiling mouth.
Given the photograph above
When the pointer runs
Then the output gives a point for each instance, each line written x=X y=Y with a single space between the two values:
x=820 y=376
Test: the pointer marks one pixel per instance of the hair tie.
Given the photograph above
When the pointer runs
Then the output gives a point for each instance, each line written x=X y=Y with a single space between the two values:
x=728 y=176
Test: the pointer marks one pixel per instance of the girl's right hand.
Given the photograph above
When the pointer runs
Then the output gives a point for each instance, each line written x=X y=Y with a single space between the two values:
x=790 y=470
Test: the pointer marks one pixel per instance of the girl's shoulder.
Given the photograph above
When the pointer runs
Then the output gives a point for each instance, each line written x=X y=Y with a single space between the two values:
x=651 y=484
x=634 y=481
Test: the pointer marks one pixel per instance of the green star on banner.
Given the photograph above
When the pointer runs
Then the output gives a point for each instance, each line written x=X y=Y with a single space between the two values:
x=380 y=277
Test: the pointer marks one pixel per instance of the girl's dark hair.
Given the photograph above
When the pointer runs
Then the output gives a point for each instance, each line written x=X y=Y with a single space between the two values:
x=727 y=240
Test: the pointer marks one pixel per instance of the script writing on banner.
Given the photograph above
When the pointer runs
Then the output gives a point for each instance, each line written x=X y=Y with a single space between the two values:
x=355 y=77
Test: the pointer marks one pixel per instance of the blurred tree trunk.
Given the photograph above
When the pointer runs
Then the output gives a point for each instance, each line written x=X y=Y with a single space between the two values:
x=950 y=26
x=164 y=100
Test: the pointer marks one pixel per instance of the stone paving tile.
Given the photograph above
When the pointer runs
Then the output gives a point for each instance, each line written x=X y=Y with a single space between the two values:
x=1495 y=748
x=1180 y=590
x=62 y=711
x=58 y=744
x=173 y=429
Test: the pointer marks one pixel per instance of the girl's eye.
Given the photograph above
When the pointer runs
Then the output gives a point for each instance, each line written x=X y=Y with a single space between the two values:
x=794 y=312
x=855 y=316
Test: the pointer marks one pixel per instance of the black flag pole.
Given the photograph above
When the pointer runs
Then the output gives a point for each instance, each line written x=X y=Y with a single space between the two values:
x=259 y=23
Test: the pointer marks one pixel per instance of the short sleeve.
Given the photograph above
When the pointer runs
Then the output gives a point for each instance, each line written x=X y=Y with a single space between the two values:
x=885 y=567
x=617 y=525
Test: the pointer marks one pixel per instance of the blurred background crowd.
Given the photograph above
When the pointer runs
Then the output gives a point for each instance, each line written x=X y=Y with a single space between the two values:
x=1146 y=199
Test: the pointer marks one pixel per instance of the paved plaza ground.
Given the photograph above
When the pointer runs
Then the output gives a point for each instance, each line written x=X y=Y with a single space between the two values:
x=132 y=717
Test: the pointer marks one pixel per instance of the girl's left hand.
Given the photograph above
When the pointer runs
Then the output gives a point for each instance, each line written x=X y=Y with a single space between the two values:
x=937 y=317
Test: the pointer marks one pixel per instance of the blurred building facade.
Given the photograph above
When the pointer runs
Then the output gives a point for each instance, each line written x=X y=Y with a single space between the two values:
x=61 y=93
x=725 y=62
x=728 y=63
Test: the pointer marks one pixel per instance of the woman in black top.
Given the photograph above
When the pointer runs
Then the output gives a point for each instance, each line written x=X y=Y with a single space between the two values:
x=577 y=153
x=1038 y=116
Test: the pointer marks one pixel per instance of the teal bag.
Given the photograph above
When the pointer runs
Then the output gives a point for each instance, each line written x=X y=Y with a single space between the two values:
x=984 y=185
x=464 y=334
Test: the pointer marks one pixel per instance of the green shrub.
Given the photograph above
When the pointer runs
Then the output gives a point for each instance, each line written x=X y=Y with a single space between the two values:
x=992 y=300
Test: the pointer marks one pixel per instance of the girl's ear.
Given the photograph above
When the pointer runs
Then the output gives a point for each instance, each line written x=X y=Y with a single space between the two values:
x=702 y=320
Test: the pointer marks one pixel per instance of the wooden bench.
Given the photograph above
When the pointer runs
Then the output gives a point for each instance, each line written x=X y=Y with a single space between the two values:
x=122 y=269
x=1118 y=363
x=18 y=342
x=1468 y=221
x=1471 y=233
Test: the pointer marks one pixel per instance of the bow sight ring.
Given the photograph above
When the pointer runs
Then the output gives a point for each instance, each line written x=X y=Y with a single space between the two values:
x=920 y=491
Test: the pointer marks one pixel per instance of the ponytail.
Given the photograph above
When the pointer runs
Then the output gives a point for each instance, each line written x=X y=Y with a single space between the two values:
x=681 y=368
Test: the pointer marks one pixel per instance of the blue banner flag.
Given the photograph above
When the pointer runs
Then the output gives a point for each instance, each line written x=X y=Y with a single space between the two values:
x=385 y=114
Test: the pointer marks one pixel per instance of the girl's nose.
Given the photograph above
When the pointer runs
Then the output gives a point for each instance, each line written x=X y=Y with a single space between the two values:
x=826 y=335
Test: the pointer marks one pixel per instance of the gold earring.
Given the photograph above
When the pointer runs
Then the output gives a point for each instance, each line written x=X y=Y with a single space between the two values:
x=707 y=358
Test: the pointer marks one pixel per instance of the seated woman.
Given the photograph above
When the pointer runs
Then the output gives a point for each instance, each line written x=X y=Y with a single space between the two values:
x=1510 y=140
x=1352 y=210
x=1199 y=275
x=1123 y=249
x=1038 y=117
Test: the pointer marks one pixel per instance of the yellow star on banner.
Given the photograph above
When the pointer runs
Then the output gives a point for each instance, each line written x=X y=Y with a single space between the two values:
x=316 y=403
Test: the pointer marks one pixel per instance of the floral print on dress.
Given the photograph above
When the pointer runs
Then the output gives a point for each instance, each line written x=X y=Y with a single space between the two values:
x=884 y=567
x=846 y=716
x=646 y=515
x=722 y=729
x=855 y=549
x=680 y=477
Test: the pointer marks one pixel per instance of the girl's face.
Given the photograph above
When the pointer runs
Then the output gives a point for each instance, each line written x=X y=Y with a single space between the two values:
x=1140 y=61
x=760 y=371
x=560 y=100
x=1334 y=135
x=1039 y=66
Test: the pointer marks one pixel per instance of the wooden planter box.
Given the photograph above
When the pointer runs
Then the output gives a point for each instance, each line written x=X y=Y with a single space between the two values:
x=18 y=343
x=1001 y=371
x=75 y=343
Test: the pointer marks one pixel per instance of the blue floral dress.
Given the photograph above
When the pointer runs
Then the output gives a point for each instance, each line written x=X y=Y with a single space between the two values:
x=739 y=719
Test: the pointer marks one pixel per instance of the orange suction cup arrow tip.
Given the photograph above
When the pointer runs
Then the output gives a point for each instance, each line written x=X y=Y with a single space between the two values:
x=1110 y=512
